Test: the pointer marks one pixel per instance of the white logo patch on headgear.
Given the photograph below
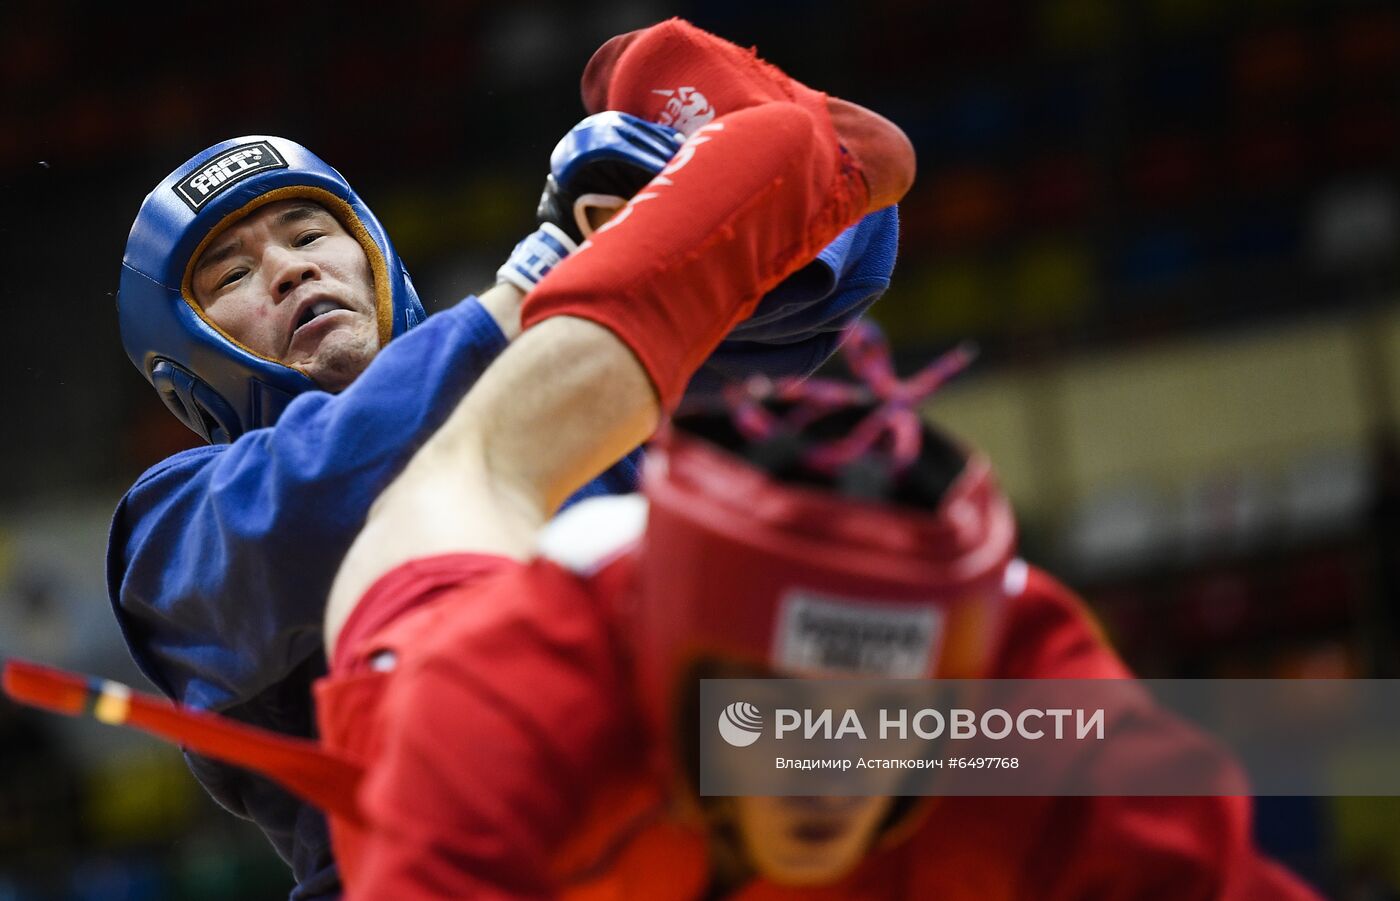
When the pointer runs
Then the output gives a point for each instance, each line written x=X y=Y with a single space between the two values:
x=823 y=632
x=201 y=185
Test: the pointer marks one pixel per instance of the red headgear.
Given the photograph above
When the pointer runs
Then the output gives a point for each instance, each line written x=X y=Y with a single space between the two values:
x=798 y=579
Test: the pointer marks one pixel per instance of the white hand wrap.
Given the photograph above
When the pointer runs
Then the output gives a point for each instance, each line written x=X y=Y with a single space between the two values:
x=534 y=257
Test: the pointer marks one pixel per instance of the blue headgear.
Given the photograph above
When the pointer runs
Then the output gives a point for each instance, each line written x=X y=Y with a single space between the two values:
x=212 y=383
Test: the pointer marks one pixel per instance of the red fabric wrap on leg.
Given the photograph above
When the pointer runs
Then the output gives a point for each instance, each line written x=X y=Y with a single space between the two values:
x=750 y=198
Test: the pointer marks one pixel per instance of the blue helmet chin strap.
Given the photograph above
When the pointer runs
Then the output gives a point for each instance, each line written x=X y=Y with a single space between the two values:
x=214 y=385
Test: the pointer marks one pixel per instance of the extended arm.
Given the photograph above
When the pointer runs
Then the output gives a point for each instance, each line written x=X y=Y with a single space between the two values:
x=430 y=603
x=567 y=401
x=751 y=198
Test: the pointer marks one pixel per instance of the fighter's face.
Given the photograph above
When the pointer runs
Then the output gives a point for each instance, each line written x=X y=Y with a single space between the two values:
x=806 y=841
x=289 y=283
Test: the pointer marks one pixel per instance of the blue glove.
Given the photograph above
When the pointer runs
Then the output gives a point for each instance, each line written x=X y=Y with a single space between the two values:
x=598 y=165
x=799 y=324
x=795 y=327
x=601 y=163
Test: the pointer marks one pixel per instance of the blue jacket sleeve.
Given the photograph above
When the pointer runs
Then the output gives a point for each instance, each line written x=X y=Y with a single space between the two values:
x=220 y=558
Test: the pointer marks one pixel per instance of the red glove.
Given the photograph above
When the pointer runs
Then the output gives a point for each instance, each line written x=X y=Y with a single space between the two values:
x=760 y=188
x=678 y=75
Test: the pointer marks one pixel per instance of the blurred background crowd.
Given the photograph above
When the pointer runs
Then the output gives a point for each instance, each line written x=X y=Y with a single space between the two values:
x=1173 y=226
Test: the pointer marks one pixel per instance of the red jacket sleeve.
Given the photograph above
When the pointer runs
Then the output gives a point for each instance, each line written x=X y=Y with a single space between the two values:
x=504 y=709
x=1132 y=847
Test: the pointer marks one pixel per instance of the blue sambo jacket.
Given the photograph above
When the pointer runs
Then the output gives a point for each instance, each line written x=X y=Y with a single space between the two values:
x=220 y=558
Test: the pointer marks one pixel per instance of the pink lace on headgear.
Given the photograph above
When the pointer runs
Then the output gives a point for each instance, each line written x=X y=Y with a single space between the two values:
x=892 y=428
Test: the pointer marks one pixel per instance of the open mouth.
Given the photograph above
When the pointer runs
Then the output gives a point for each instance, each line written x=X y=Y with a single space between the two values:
x=816 y=832
x=319 y=308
